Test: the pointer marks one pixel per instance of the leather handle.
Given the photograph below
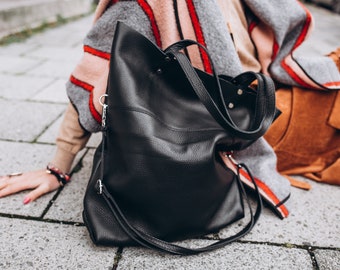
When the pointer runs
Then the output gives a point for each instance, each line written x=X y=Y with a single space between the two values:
x=265 y=95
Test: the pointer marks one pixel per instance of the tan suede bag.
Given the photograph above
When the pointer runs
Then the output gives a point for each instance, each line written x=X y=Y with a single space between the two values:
x=306 y=137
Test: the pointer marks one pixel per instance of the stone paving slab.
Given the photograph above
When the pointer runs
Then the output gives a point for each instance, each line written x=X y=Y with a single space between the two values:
x=19 y=15
x=14 y=159
x=53 y=69
x=53 y=93
x=57 y=53
x=69 y=204
x=17 y=121
x=240 y=256
x=51 y=133
x=36 y=156
x=325 y=37
x=40 y=245
x=18 y=49
x=327 y=259
x=22 y=87
x=16 y=64
x=73 y=37
x=303 y=226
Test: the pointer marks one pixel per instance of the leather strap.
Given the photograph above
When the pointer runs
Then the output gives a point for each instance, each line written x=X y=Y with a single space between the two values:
x=265 y=95
x=146 y=240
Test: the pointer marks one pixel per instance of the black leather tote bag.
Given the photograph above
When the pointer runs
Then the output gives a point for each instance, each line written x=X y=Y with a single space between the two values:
x=157 y=175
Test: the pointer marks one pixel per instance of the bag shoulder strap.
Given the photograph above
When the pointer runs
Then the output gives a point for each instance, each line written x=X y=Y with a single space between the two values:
x=265 y=95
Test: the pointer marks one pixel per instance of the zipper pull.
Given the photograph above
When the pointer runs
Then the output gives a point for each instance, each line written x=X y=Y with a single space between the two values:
x=104 y=116
x=104 y=110
x=99 y=186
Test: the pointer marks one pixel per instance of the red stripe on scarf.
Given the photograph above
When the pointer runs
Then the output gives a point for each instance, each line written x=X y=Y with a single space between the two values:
x=294 y=76
x=298 y=42
x=305 y=28
x=82 y=84
x=96 y=115
x=88 y=87
x=199 y=35
x=267 y=191
x=96 y=52
x=148 y=11
x=332 y=84
x=252 y=25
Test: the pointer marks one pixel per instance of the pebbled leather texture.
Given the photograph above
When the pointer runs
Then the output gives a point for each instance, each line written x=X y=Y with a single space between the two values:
x=158 y=160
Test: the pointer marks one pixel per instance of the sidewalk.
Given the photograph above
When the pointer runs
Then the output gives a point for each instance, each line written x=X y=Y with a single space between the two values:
x=21 y=15
x=50 y=234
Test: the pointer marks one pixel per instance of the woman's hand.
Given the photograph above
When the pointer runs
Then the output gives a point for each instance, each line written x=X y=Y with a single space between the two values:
x=40 y=182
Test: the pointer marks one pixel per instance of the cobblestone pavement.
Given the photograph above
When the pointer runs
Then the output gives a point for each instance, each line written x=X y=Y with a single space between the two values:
x=50 y=234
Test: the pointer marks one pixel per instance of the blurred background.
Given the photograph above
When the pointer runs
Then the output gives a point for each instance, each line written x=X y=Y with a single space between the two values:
x=21 y=18
x=333 y=5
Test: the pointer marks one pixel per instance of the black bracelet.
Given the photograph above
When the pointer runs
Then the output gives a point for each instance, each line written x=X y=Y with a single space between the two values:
x=62 y=178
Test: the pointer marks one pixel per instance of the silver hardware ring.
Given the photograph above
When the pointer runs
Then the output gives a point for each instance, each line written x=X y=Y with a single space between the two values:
x=101 y=99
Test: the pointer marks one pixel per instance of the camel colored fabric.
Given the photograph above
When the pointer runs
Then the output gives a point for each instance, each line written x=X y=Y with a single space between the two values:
x=306 y=113
x=70 y=140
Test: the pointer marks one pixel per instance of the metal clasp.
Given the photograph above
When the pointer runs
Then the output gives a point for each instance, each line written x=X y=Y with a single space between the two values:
x=100 y=186
x=104 y=109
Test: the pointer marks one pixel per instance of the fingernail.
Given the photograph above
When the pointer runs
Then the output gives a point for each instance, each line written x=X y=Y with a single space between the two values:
x=27 y=200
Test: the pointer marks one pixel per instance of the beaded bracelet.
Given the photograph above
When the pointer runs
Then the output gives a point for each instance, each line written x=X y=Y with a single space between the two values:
x=62 y=178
